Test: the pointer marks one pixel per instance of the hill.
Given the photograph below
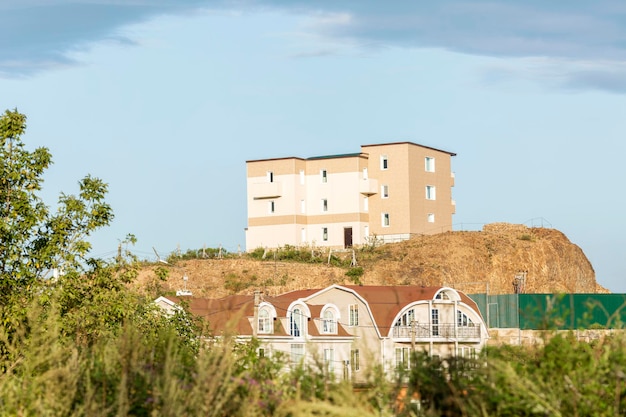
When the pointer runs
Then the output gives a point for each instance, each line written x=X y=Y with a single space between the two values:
x=471 y=261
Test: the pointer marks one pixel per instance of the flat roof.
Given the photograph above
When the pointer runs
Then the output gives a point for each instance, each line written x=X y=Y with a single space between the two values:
x=349 y=155
x=409 y=143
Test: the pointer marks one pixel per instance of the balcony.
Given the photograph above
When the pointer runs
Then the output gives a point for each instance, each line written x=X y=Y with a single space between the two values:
x=263 y=190
x=368 y=186
x=438 y=331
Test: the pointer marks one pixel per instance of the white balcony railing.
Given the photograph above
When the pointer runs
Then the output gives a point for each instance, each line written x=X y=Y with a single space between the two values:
x=448 y=331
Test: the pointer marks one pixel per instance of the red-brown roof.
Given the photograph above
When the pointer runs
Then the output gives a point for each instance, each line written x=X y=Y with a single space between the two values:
x=233 y=313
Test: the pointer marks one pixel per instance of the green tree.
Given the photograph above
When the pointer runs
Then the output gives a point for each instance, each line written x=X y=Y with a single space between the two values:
x=33 y=241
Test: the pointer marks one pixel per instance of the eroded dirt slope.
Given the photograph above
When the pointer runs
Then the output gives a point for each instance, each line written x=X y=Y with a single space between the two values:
x=469 y=261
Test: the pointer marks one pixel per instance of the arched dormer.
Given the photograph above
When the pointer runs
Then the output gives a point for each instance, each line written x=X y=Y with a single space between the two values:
x=330 y=316
x=267 y=315
x=447 y=294
x=298 y=315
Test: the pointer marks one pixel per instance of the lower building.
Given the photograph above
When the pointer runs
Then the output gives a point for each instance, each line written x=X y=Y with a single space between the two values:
x=349 y=328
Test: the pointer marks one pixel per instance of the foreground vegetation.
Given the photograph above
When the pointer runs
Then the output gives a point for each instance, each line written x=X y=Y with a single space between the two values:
x=76 y=341
x=147 y=366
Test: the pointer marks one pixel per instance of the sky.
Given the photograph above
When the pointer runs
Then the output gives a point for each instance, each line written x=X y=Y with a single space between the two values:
x=165 y=100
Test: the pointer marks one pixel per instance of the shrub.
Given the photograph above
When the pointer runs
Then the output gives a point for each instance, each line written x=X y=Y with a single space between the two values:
x=355 y=274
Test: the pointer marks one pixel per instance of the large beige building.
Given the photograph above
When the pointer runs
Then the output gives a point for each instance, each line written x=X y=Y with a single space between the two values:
x=386 y=192
x=348 y=327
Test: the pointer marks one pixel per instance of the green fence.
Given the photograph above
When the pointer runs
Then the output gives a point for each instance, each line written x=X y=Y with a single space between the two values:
x=552 y=311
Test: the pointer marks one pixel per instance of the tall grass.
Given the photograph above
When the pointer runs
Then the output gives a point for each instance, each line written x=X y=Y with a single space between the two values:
x=147 y=368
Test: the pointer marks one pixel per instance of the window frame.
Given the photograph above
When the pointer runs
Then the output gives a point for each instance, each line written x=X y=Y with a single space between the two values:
x=297 y=352
x=429 y=164
x=265 y=319
x=324 y=176
x=297 y=322
x=353 y=315
x=385 y=219
x=329 y=321
x=384 y=191
x=431 y=192
x=384 y=163
x=434 y=321
x=355 y=360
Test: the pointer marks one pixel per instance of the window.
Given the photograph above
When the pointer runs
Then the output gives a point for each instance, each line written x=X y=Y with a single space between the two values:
x=366 y=231
x=442 y=295
x=261 y=352
x=329 y=360
x=324 y=175
x=462 y=320
x=406 y=319
x=272 y=206
x=270 y=176
x=385 y=219
x=355 y=360
x=365 y=173
x=265 y=321
x=429 y=164
x=384 y=162
x=431 y=217
x=301 y=177
x=366 y=203
x=384 y=191
x=324 y=204
x=353 y=315
x=296 y=323
x=434 y=321
x=297 y=353
x=402 y=358
x=325 y=234
x=302 y=206
x=467 y=352
x=430 y=192
x=329 y=324
x=303 y=235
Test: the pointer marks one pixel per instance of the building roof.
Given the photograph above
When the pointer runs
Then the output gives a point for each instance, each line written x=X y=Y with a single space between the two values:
x=409 y=143
x=235 y=313
x=350 y=155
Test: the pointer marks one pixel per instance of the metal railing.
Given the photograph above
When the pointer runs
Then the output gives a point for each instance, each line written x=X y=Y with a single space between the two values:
x=425 y=331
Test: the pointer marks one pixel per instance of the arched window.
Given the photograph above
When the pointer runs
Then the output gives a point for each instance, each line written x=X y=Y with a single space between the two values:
x=296 y=323
x=443 y=295
x=329 y=322
x=265 y=321
x=462 y=320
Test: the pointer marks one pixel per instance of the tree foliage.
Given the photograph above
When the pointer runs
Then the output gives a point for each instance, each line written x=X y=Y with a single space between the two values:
x=33 y=240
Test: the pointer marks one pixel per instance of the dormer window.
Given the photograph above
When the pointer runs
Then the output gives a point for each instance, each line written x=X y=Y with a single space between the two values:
x=442 y=296
x=265 y=321
x=329 y=322
x=296 y=323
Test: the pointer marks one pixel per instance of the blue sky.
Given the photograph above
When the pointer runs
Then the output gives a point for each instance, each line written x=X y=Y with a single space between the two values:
x=165 y=100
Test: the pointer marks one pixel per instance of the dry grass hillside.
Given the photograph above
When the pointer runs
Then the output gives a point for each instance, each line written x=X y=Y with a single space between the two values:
x=469 y=261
